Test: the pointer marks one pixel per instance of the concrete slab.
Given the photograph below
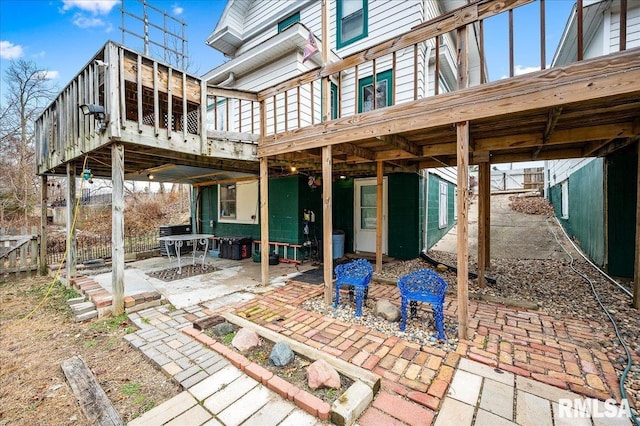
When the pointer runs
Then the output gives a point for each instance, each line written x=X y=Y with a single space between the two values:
x=486 y=371
x=196 y=415
x=497 y=398
x=454 y=412
x=166 y=411
x=221 y=399
x=485 y=418
x=531 y=410
x=301 y=418
x=465 y=387
x=214 y=383
x=246 y=406
x=274 y=412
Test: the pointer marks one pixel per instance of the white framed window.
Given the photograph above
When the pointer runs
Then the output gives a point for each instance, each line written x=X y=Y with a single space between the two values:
x=564 y=196
x=238 y=202
x=443 y=205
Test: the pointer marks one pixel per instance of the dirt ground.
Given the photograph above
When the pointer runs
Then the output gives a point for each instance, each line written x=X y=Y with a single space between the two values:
x=38 y=333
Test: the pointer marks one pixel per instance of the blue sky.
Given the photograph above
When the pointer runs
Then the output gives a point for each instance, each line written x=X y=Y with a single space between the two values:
x=61 y=36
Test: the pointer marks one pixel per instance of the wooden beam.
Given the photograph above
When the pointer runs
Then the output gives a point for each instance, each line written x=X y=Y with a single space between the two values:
x=482 y=225
x=71 y=228
x=636 y=269
x=351 y=149
x=220 y=181
x=264 y=221
x=379 y=213
x=93 y=401
x=402 y=144
x=117 y=227
x=552 y=121
x=583 y=81
x=44 y=198
x=463 y=229
x=244 y=95
x=327 y=224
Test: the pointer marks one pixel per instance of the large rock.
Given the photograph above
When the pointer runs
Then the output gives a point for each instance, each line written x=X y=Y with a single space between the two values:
x=387 y=310
x=222 y=329
x=321 y=375
x=281 y=354
x=245 y=339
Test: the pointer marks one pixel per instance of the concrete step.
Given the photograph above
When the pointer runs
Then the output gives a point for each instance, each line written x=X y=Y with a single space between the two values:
x=86 y=316
x=82 y=307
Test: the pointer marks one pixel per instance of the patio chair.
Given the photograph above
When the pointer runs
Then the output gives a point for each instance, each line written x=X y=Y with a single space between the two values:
x=423 y=285
x=355 y=276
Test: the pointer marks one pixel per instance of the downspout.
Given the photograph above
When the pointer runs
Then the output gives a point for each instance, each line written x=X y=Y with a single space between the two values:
x=230 y=80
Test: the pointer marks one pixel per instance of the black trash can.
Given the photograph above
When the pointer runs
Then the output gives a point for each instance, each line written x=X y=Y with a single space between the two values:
x=235 y=248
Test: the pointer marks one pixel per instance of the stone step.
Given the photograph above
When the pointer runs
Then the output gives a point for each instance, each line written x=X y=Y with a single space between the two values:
x=86 y=316
x=76 y=300
x=83 y=307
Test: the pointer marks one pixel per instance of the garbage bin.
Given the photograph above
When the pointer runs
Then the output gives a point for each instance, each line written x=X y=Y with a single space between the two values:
x=338 y=243
x=235 y=248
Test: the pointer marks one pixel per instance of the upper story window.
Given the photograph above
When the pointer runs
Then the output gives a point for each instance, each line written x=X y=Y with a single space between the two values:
x=383 y=96
x=351 y=21
x=287 y=22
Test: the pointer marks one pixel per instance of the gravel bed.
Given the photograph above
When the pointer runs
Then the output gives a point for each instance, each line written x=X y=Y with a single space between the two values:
x=550 y=284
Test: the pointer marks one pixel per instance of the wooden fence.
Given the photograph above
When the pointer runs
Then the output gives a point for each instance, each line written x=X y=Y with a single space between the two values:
x=18 y=253
x=99 y=247
x=19 y=250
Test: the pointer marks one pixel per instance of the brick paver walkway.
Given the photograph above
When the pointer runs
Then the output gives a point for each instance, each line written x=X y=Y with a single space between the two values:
x=415 y=378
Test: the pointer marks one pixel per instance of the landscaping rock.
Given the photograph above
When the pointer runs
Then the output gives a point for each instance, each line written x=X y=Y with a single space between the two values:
x=245 y=340
x=387 y=310
x=222 y=329
x=281 y=354
x=321 y=374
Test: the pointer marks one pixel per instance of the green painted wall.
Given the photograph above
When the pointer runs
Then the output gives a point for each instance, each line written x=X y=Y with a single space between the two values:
x=404 y=226
x=622 y=170
x=343 y=202
x=434 y=232
x=586 y=209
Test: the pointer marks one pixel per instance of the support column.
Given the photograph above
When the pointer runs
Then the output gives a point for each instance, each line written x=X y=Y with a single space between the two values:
x=117 y=227
x=463 y=227
x=44 y=198
x=636 y=275
x=264 y=221
x=71 y=228
x=379 y=212
x=327 y=224
x=484 y=213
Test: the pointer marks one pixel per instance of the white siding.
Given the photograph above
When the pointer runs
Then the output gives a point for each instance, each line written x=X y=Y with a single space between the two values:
x=560 y=170
x=633 y=27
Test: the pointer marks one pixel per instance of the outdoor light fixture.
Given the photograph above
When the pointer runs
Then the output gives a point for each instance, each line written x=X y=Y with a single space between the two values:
x=293 y=169
x=98 y=112
x=150 y=176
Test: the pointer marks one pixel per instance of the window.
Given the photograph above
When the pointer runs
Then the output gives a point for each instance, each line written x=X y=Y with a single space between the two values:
x=351 y=21
x=238 y=202
x=228 y=201
x=383 y=96
x=287 y=22
x=334 y=101
x=564 y=196
x=443 y=205
x=368 y=206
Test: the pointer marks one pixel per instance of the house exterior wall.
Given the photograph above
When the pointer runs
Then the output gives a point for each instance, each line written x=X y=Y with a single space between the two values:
x=434 y=231
x=622 y=169
x=405 y=226
x=586 y=219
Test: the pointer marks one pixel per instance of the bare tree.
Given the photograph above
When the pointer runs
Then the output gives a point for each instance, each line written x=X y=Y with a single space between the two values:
x=28 y=90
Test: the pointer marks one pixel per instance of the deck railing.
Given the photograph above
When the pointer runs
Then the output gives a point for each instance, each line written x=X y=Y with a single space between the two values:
x=396 y=68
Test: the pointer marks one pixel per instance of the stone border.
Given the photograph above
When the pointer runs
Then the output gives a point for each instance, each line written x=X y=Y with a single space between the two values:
x=343 y=412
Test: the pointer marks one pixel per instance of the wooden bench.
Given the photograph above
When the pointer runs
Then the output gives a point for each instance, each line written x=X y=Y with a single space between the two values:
x=356 y=276
x=423 y=285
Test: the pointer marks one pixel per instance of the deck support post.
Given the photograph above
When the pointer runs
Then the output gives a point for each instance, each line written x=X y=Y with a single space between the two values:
x=379 y=212
x=264 y=221
x=327 y=224
x=44 y=197
x=117 y=227
x=463 y=228
x=484 y=219
x=636 y=268
x=71 y=229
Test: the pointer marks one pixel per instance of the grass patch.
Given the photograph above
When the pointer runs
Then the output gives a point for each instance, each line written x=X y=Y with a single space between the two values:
x=110 y=324
x=131 y=388
x=227 y=338
x=90 y=343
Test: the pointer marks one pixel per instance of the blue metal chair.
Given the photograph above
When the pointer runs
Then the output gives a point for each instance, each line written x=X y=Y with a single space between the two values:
x=356 y=276
x=423 y=285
